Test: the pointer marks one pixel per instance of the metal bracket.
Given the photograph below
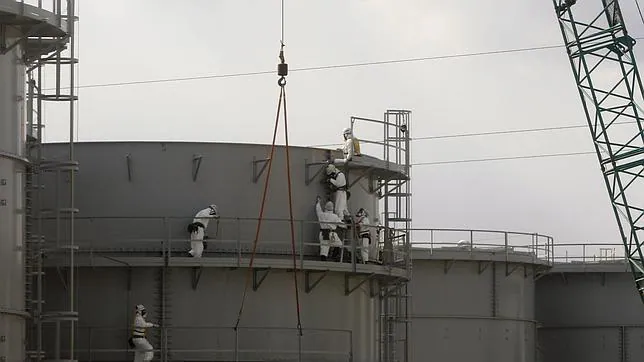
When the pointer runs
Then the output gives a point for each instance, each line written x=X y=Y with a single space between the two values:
x=196 y=164
x=128 y=161
x=362 y=175
x=483 y=265
x=256 y=173
x=61 y=276
x=448 y=265
x=509 y=270
x=347 y=281
x=4 y=49
x=307 y=173
x=603 y=282
x=308 y=284
x=196 y=276
x=563 y=277
x=257 y=279
x=539 y=272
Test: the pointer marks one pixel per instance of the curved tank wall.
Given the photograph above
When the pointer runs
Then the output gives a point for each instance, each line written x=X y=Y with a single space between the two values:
x=12 y=233
x=144 y=180
x=473 y=304
x=590 y=312
x=137 y=181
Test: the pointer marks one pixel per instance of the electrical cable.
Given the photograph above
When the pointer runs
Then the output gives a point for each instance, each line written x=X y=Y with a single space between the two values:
x=639 y=10
x=503 y=158
x=327 y=67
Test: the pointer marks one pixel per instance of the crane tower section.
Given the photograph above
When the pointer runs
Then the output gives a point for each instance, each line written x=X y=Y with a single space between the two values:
x=609 y=84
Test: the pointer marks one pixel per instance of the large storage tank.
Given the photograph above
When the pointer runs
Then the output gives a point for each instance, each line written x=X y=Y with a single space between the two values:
x=12 y=219
x=589 y=310
x=473 y=294
x=17 y=21
x=136 y=199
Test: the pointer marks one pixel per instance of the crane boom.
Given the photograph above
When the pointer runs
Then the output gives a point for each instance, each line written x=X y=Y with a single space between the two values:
x=601 y=56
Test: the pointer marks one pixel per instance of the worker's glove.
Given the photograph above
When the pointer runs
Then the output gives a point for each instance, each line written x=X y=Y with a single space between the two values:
x=157 y=326
x=317 y=199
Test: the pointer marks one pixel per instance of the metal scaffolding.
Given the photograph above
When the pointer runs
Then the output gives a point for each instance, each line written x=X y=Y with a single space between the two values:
x=51 y=58
x=394 y=191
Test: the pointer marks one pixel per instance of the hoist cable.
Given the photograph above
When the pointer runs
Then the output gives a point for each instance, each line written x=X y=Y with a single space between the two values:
x=261 y=212
x=290 y=209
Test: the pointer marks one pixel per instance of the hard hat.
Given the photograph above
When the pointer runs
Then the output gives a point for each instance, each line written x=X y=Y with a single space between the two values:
x=140 y=308
x=346 y=131
x=330 y=169
x=362 y=212
x=213 y=209
x=328 y=206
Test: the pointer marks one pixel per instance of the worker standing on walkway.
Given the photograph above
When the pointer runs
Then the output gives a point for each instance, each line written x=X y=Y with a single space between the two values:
x=364 y=235
x=197 y=229
x=138 y=341
x=328 y=224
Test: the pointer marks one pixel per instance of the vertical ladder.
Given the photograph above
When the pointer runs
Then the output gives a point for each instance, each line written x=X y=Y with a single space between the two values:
x=396 y=192
x=58 y=55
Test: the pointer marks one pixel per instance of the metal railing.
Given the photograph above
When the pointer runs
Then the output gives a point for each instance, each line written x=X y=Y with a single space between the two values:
x=590 y=253
x=537 y=246
x=210 y=343
x=227 y=237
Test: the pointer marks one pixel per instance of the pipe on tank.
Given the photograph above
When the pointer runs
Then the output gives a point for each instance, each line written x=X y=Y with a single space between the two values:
x=12 y=208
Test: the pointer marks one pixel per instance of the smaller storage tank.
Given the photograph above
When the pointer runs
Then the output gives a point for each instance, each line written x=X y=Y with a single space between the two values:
x=472 y=295
x=589 y=310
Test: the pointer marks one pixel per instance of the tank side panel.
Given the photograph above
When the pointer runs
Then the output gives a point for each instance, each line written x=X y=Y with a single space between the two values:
x=12 y=233
x=462 y=303
x=161 y=183
x=590 y=317
x=203 y=318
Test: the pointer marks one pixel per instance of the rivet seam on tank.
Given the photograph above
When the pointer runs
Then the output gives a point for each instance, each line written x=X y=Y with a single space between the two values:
x=3 y=182
x=3 y=339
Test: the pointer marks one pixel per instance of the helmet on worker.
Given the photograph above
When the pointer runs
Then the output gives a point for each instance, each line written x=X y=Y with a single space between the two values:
x=347 y=133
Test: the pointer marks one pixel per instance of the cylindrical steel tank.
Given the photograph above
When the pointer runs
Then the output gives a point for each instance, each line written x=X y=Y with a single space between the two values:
x=590 y=311
x=12 y=217
x=132 y=196
x=472 y=301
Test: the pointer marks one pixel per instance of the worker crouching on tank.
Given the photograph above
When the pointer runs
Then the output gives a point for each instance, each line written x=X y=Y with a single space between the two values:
x=197 y=229
x=143 y=350
x=328 y=236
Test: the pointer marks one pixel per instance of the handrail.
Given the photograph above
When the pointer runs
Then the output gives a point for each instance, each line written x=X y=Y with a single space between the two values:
x=221 y=341
x=168 y=237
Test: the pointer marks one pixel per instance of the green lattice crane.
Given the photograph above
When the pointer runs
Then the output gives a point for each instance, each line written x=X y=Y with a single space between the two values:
x=601 y=55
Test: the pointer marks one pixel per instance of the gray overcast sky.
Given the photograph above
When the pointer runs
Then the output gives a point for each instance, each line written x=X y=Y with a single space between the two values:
x=126 y=40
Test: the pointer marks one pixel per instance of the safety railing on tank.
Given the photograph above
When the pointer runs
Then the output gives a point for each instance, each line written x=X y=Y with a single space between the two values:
x=537 y=246
x=227 y=237
x=214 y=343
x=590 y=253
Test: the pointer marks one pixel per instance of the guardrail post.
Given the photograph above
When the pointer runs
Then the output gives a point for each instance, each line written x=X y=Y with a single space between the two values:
x=353 y=247
x=583 y=254
x=431 y=242
x=505 y=237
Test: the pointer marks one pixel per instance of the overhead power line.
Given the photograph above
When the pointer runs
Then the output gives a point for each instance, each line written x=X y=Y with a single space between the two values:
x=502 y=158
x=322 y=67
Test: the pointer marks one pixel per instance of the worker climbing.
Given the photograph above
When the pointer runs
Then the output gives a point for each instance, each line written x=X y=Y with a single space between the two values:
x=197 y=229
x=338 y=184
x=328 y=236
x=143 y=350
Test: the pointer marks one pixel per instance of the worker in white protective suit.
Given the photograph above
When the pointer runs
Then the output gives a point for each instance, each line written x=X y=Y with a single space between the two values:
x=328 y=224
x=143 y=350
x=350 y=148
x=364 y=235
x=197 y=229
x=338 y=184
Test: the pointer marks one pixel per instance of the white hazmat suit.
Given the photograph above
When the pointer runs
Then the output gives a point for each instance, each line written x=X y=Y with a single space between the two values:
x=197 y=229
x=339 y=183
x=143 y=350
x=350 y=148
x=328 y=237
x=364 y=235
